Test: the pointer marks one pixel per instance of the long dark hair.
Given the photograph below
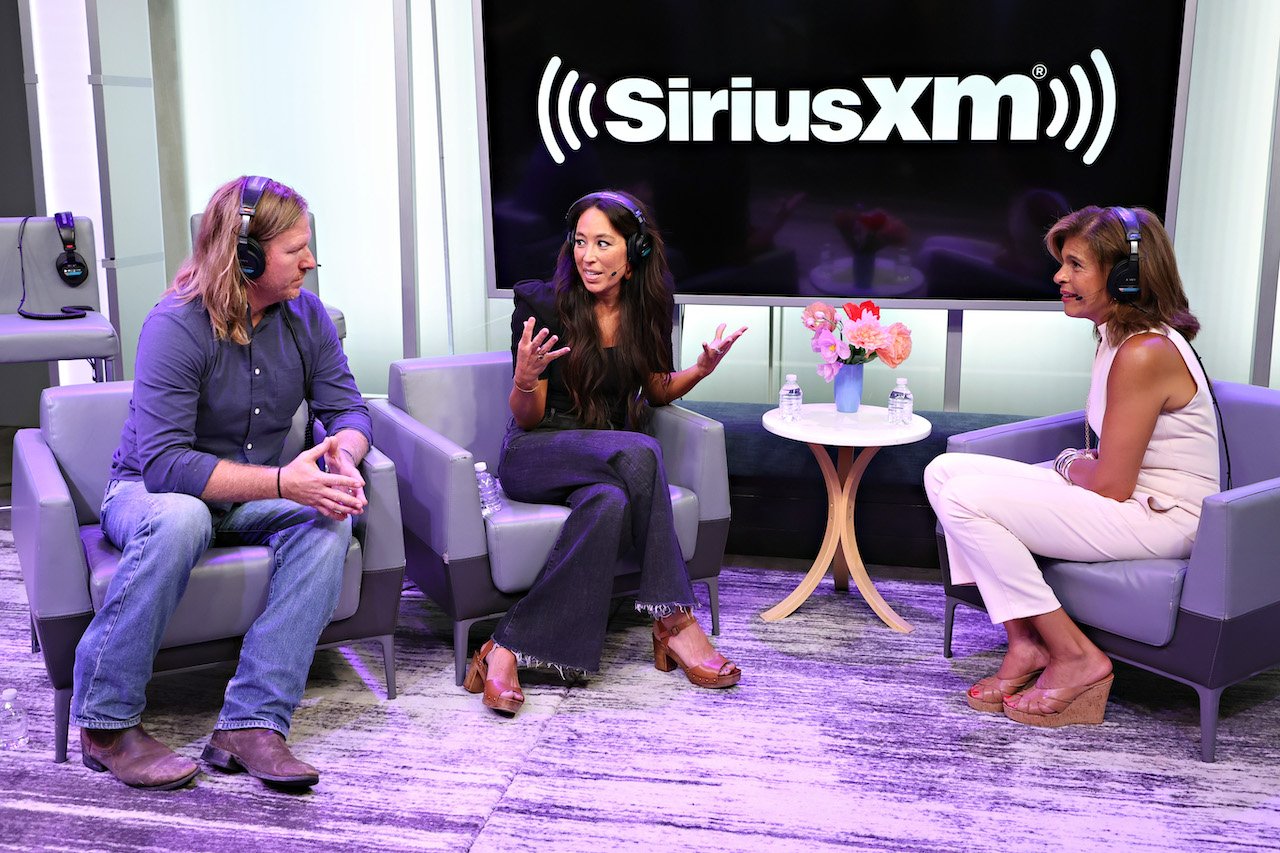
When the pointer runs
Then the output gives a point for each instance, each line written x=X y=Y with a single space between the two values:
x=643 y=343
x=1160 y=294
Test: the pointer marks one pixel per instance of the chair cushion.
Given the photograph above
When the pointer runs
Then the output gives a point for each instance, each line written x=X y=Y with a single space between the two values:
x=1137 y=599
x=226 y=593
x=24 y=339
x=520 y=537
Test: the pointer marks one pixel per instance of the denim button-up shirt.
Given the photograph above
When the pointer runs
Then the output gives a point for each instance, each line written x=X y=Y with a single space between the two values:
x=197 y=400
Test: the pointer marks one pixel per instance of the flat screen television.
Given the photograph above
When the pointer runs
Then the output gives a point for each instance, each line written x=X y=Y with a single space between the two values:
x=912 y=151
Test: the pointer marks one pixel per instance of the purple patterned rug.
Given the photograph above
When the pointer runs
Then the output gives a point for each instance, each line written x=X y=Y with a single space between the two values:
x=842 y=735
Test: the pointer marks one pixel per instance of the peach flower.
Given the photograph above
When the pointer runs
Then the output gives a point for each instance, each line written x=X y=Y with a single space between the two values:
x=899 y=346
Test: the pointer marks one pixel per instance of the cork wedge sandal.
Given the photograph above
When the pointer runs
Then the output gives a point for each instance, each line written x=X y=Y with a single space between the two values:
x=1073 y=706
x=979 y=693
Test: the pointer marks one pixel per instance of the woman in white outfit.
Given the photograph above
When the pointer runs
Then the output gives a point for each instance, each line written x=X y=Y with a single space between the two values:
x=1134 y=495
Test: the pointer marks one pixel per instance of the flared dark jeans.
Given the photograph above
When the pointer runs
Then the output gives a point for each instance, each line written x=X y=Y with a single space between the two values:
x=615 y=486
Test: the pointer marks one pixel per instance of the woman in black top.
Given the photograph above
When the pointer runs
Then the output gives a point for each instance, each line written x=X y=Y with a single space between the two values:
x=592 y=352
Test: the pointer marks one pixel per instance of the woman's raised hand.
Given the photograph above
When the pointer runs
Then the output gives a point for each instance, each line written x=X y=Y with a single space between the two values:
x=534 y=354
x=717 y=349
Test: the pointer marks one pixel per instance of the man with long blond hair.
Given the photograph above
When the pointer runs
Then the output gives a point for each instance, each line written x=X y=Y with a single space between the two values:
x=224 y=360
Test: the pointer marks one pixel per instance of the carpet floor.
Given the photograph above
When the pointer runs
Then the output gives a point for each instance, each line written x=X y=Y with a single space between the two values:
x=842 y=735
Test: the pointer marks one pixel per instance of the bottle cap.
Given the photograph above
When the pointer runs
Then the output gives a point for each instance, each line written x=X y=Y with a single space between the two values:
x=480 y=466
x=9 y=694
x=791 y=377
x=902 y=380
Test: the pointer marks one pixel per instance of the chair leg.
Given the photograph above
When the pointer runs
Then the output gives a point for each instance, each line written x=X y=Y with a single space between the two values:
x=61 y=723
x=947 y=622
x=35 y=638
x=388 y=643
x=460 y=633
x=1209 y=698
x=713 y=594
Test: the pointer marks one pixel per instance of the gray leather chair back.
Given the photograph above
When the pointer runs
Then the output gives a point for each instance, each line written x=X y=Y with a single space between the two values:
x=1251 y=415
x=46 y=291
x=462 y=397
x=65 y=413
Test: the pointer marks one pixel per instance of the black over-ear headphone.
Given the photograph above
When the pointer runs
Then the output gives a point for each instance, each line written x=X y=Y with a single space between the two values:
x=253 y=260
x=639 y=244
x=1122 y=282
x=71 y=267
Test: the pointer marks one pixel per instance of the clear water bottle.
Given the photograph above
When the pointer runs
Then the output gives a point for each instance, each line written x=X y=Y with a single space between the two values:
x=900 y=404
x=13 y=721
x=790 y=399
x=490 y=495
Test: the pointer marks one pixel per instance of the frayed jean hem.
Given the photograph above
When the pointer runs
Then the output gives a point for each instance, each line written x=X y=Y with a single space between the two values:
x=662 y=611
x=106 y=725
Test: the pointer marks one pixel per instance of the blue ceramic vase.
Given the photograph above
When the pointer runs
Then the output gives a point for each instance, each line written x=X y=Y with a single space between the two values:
x=849 y=388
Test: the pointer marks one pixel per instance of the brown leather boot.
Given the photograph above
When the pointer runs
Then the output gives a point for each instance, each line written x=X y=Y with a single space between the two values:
x=261 y=752
x=135 y=758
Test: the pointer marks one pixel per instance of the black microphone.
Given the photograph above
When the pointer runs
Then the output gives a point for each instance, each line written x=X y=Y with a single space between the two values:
x=1079 y=298
x=612 y=274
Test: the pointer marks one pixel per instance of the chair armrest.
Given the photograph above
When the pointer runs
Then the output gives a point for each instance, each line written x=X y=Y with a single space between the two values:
x=694 y=455
x=1028 y=441
x=379 y=527
x=1232 y=569
x=46 y=532
x=439 y=499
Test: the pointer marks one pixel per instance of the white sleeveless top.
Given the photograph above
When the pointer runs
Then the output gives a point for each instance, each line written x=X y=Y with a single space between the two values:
x=1181 y=466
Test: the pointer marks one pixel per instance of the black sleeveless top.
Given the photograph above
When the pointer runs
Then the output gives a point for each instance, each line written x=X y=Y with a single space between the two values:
x=535 y=298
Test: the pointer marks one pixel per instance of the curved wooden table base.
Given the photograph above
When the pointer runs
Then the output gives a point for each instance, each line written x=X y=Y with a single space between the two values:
x=839 y=549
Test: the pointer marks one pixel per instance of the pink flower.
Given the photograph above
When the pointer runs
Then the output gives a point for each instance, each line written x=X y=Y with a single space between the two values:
x=899 y=346
x=866 y=333
x=829 y=346
x=829 y=371
x=819 y=315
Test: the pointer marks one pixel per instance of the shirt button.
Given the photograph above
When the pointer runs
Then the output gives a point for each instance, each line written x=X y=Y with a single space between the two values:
x=256 y=371
x=256 y=411
x=249 y=446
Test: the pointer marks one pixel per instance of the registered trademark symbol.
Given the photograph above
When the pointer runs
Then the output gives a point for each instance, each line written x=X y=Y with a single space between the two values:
x=1039 y=71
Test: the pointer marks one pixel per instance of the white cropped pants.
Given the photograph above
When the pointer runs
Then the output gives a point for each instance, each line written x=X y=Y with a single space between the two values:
x=996 y=513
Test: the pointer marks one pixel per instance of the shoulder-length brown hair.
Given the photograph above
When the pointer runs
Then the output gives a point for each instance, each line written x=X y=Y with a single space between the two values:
x=212 y=273
x=1161 y=299
x=643 y=343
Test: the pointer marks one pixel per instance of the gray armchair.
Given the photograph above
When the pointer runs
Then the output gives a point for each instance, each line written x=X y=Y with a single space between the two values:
x=443 y=415
x=1209 y=621
x=24 y=339
x=59 y=474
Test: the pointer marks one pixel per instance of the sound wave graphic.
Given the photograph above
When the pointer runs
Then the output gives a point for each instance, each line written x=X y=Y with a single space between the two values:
x=1084 y=90
x=564 y=105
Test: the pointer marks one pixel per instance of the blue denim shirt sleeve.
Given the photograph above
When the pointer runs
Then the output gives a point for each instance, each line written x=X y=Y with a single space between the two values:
x=166 y=389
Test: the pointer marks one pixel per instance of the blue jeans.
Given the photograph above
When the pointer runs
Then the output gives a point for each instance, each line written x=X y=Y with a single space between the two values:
x=615 y=487
x=162 y=536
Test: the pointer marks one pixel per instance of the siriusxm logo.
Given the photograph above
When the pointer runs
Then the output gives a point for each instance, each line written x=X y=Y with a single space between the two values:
x=643 y=110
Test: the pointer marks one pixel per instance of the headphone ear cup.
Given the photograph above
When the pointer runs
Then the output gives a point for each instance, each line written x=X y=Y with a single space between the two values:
x=72 y=269
x=1122 y=282
x=639 y=248
x=253 y=261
